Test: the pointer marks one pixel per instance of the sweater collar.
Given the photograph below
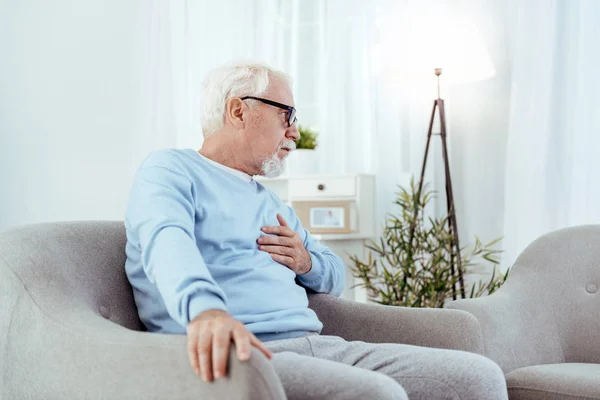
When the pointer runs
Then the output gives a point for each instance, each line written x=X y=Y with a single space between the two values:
x=242 y=175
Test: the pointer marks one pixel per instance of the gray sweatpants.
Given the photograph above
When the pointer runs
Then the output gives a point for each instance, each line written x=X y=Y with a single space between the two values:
x=328 y=367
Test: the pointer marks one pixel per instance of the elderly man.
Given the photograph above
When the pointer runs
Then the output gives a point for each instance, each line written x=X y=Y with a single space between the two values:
x=213 y=254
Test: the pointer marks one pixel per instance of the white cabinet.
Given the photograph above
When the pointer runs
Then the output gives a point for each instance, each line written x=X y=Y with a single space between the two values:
x=334 y=187
x=338 y=210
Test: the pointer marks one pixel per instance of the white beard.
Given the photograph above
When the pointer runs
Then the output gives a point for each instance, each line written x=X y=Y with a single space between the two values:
x=273 y=166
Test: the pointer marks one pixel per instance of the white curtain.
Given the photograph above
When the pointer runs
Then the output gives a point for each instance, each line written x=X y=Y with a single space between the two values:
x=552 y=164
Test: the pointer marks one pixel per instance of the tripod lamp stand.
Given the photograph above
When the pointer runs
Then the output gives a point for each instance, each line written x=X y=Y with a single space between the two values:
x=455 y=258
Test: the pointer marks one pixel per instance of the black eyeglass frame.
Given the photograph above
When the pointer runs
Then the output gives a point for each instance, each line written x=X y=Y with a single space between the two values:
x=291 y=110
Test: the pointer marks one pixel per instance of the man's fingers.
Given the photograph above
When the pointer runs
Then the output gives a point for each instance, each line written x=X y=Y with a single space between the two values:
x=279 y=230
x=285 y=260
x=261 y=346
x=193 y=353
x=204 y=354
x=242 y=343
x=281 y=250
x=281 y=220
x=276 y=240
x=220 y=351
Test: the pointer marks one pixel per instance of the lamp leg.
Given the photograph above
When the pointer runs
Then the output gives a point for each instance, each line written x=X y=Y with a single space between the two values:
x=450 y=204
x=455 y=256
x=429 y=132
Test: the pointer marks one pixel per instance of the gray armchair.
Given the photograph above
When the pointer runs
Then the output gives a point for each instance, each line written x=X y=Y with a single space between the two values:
x=543 y=325
x=69 y=326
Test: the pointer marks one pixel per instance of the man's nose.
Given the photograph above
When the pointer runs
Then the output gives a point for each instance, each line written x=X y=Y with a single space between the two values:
x=293 y=133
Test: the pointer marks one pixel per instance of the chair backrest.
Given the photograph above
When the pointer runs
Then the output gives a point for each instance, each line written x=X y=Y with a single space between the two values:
x=565 y=267
x=547 y=311
x=74 y=270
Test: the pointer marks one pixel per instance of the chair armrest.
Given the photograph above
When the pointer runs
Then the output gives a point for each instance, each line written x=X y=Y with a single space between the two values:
x=439 y=328
x=102 y=360
x=516 y=332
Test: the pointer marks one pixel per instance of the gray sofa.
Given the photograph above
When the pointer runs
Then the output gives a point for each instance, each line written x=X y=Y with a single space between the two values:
x=69 y=327
x=543 y=325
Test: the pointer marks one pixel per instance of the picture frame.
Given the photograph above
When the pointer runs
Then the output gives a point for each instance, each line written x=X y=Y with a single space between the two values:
x=328 y=217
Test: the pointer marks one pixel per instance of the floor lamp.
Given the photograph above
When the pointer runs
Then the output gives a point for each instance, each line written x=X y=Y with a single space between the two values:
x=445 y=38
x=455 y=258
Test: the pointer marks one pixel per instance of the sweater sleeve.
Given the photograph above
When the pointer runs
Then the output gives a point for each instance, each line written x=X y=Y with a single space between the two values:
x=161 y=216
x=327 y=274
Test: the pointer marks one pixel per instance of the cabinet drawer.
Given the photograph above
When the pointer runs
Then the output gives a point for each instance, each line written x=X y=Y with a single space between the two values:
x=326 y=187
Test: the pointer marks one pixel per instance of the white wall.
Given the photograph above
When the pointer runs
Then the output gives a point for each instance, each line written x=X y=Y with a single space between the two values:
x=69 y=103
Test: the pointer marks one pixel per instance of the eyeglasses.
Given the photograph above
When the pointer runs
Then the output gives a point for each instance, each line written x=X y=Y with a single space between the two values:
x=291 y=118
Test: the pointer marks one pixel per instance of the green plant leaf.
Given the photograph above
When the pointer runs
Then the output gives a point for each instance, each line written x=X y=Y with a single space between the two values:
x=308 y=138
x=411 y=263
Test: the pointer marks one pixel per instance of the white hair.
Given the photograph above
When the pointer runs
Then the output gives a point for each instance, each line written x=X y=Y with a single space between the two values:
x=236 y=80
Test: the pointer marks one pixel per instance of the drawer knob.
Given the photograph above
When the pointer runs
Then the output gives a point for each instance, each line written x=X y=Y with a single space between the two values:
x=321 y=186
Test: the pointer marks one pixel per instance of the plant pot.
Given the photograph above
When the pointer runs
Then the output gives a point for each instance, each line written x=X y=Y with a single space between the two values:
x=302 y=162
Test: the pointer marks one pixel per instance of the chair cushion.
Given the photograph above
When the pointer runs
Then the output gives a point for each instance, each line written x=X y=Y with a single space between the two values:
x=555 y=382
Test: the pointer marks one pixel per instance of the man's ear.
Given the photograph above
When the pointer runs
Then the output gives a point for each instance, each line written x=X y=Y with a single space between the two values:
x=234 y=112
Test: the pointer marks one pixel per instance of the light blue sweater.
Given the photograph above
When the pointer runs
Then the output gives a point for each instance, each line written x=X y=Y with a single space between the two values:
x=192 y=226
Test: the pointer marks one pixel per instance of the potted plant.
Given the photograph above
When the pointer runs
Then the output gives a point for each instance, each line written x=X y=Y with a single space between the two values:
x=304 y=159
x=415 y=270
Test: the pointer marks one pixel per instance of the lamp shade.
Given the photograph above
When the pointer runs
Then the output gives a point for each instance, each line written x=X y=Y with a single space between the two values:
x=451 y=42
